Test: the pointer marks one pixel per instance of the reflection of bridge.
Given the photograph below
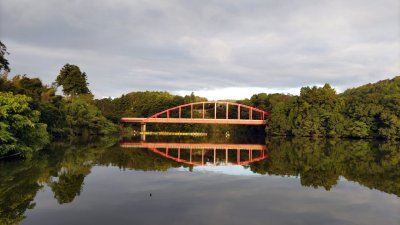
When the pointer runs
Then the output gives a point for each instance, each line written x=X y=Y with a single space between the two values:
x=202 y=154
x=206 y=113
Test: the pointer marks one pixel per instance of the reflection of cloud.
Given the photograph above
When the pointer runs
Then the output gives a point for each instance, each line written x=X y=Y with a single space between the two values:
x=201 y=197
x=228 y=170
x=129 y=45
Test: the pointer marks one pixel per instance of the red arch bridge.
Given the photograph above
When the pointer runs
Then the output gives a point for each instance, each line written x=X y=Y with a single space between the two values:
x=206 y=113
x=206 y=154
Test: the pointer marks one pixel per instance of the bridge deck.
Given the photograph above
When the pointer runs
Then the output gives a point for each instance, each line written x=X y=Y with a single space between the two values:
x=194 y=121
x=192 y=145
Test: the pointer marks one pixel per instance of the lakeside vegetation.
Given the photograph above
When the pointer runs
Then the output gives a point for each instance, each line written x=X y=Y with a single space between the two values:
x=32 y=114
x=369 y=111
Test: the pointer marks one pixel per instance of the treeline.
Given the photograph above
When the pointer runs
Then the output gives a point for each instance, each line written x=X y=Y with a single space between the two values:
x=142 y=104
x=369 y=111
x=31 y=114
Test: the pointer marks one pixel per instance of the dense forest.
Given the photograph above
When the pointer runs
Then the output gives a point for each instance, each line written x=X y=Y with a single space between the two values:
x=32 y=114
x=369 y=111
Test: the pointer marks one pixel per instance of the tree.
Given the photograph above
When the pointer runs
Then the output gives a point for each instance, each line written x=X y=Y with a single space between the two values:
x=20 y=129
x=375 y=110
x=73 y=81
x=3 y=61
x=86 y=119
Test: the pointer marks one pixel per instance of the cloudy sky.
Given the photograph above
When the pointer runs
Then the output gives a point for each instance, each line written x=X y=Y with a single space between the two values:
x=217 y=48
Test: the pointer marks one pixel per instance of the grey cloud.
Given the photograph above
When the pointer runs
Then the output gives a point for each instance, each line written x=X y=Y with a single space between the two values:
x=190 y=45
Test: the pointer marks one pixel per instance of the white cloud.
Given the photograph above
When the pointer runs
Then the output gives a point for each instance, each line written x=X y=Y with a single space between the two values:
x=207 y=49
x=236 y=92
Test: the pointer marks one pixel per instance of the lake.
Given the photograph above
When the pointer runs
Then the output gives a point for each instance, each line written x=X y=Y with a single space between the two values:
x=219 y=179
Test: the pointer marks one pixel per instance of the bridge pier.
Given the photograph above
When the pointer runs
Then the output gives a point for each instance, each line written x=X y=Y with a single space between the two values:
x=121 y=127
x=143 y=131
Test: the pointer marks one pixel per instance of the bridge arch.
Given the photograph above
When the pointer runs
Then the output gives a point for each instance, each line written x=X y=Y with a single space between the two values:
x=209 y=112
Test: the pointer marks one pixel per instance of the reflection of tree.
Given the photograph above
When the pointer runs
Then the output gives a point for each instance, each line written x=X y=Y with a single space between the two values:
x=138 y=159
x=376 y=165
x=215 y=134
x=71 y=169
x=67 y=187
x=18 y=187
x=320 y=163
x=63 y=168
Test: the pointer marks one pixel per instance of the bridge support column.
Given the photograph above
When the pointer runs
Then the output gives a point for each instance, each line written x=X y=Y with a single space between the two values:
x=143 y=131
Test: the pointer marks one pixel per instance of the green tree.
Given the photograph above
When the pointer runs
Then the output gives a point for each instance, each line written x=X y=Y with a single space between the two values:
x=86 y=119
x=375 y=108
x=73 y=81
x=3 y=61
x=260 y=101
x=20 y=130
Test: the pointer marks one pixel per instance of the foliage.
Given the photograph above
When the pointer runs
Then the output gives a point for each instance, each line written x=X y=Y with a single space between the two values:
x=66 y=117
x=370 y=111
x=63 y=118
x=4 y=64
x=142 y=104
x=44 y=100
x=86 y=119
x=73 y=81
x=377 y=107
x=20 y=129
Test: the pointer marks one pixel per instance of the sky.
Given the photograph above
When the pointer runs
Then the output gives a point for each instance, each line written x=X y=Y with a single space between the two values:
x=219 y=49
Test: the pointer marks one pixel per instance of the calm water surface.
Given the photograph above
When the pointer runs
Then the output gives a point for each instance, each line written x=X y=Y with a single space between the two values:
x=205 y=181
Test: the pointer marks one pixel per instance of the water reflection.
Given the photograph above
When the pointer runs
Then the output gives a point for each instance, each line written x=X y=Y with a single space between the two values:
x=321 y=162
x=205 y=154
x=19 y=183
x=64 y=168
